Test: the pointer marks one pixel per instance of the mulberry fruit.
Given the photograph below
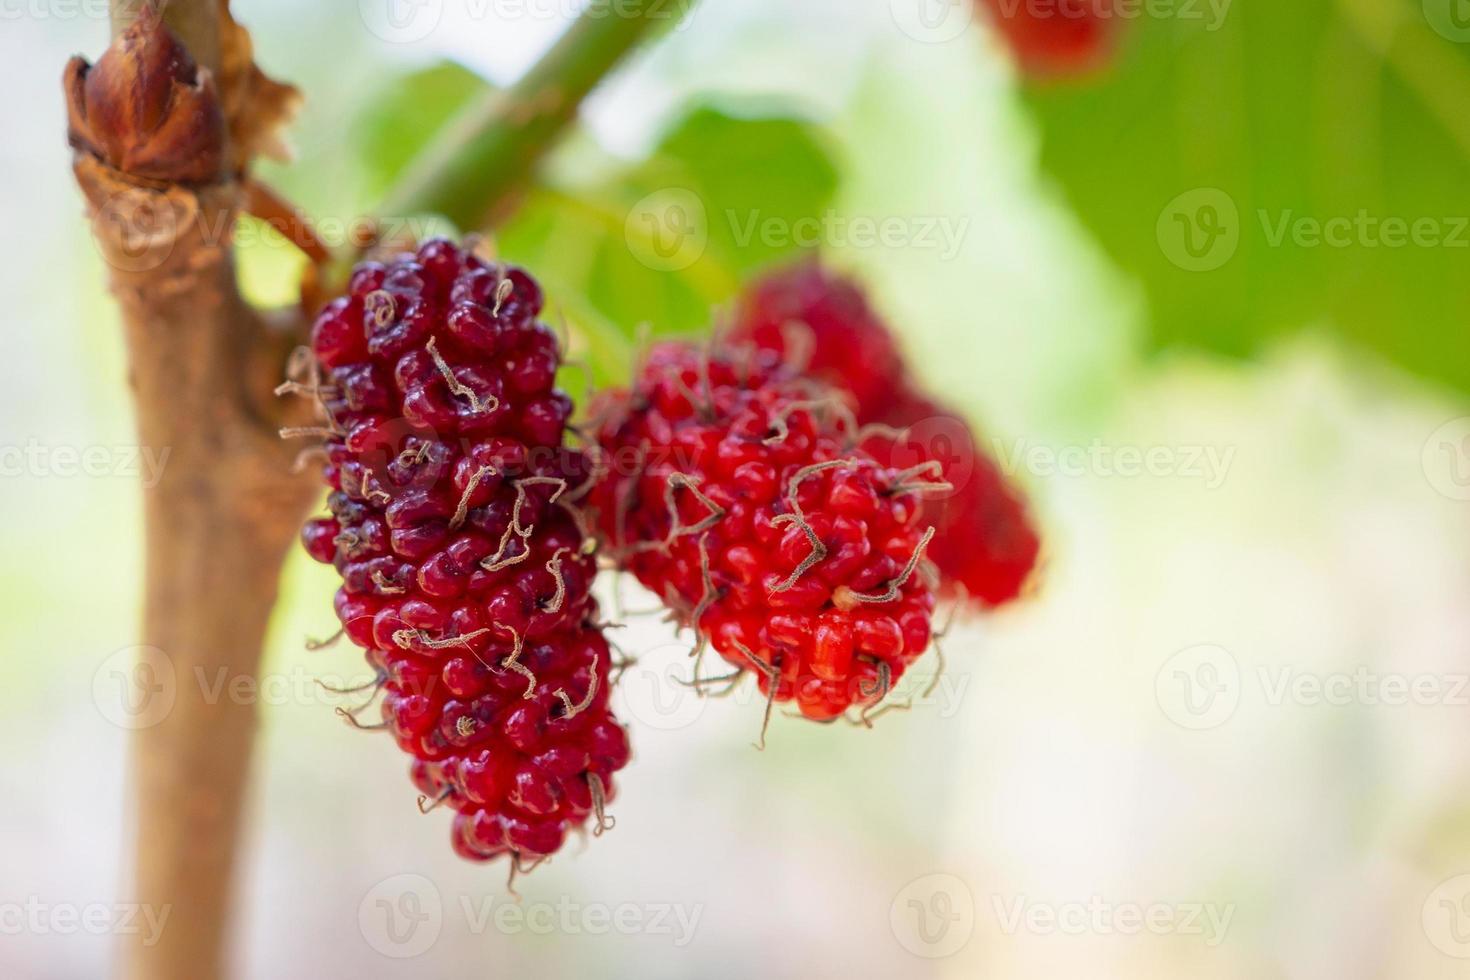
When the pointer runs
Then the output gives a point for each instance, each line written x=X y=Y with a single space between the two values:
x=1068 y=37
x=736 y=491
x=465 y=566
x=985 y=542
x=823 y=321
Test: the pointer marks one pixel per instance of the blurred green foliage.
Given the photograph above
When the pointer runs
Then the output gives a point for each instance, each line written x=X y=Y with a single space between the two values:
x=406 y=115
x=1269 y=165
x=664 y=241
x=659 y=242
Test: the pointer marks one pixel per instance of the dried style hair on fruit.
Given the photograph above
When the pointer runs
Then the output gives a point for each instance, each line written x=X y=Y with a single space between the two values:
x=734 y=490
x=985 y=546
x=456 y=528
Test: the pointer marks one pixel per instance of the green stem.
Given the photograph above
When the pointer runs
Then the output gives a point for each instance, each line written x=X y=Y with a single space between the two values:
x=485 y=156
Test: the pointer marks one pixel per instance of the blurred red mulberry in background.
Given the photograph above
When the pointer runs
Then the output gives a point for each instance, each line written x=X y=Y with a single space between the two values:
x=1056 y=37
x=985 y=544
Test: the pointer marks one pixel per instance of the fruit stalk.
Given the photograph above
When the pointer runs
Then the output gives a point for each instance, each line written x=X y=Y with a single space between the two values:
x=481 y=161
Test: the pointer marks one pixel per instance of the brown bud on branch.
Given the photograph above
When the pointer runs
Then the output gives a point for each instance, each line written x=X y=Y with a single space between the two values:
x=146 y=108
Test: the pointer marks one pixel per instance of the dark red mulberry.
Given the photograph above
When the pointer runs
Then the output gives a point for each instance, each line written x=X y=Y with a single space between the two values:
x=734 y=490
x=465 y=568
x=985 y=543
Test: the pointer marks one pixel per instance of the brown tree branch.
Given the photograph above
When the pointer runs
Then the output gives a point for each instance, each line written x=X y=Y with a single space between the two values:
x=202 y=364
x=217 y=527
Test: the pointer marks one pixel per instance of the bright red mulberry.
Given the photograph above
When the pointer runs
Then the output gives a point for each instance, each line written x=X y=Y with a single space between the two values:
x=985 y=543
x=734 y=490
x=1057 y=38
x=465 y=567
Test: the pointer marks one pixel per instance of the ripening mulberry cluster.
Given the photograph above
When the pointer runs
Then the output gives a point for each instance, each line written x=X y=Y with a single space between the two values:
x=465 y=568
x=735 y=490
x=985 y=542
x=760 y=486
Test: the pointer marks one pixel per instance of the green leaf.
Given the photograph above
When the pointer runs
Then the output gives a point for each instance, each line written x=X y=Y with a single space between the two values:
x=406 y=114
x=758 y=179
x=1282 y=165
x=664 y=242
